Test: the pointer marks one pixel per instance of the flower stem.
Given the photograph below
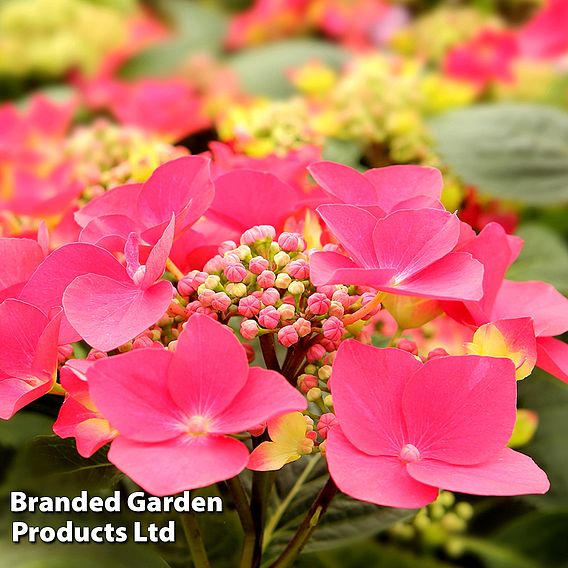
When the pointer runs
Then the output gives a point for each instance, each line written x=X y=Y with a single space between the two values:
x=243 y=509
x=365 y=310
x=174 y=270
x=194 y=540
x=177 y=310
x=307 y=527
x=269 y=352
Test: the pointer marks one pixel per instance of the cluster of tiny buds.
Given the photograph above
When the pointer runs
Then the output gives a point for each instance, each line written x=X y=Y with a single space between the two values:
x=265 y=280
x=412 y=348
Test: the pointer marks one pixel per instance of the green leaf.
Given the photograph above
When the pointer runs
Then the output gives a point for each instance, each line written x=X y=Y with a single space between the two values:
x=544 y=257
x=198 y=28
x=511 y=151
x=262 y=71
x=549 y=398
x=23 y=427
x=53 y=466
x=84 y=555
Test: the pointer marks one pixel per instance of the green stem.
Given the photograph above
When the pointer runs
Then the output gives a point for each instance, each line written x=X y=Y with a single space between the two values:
x=261 y=486
x=281 y=509
x=194 y=540
x=308 y=525
x=243 y=509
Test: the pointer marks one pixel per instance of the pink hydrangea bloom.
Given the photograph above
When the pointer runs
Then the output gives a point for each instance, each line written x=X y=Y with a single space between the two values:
x=28 y=358
x=441 y=424
x=20 y=257
x=79 y=418
x=409 y=252
x=176 y=411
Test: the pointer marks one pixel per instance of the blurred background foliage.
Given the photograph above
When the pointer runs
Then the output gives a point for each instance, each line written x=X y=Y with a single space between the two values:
x=512 y=148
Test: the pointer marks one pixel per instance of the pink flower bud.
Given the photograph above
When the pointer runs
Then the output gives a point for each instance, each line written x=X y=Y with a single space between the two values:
x=230 y=258
x=191 y=308
x=286 y=312
x=206 y=311
x=235 y=272
x=311 y=435
x=190 y=282
x=332 y=247
x=249 y=329
x=298 y=269
x=266 y=279
x=315 y=352
x=258 y=233
x=258 y=264
x=288 y=336
x=142 y=342
x=269 y=318
x=206 y=297
x=333 y=329
x=329 y=345
x=270 y=296
x=327 y=290
x=220 y=302
x=318 y=304
x=95 y=354
x=290 y=241
x=438 y=352
x=342 y=297
x=249 y=306
x=226 y=246
x=336 y=309
x=407 y=345
x=215 y=264
x=307 y=382
x=172 y=346
x=303 y=327
x=325 y=423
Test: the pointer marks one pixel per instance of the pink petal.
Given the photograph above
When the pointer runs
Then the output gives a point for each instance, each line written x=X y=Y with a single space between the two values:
x=456 y=276
x=537 y=300
x=461 y=409
x=408 y=241
x=16 y=393
x=209 y=367
x=130 y=390
x=376 y=479
x=265 y=395
x=245 y=198
x=158 y=256
x=506 y=473
x=180 y=464
x=119 y=201
x=47 y=284
x=553 y=357
x=353 y=227
x=20 y=257
x=406 y=186
x=344 y=183
x=182 y=186
x=109 y=231
x=327 y=267
x=378 y=375
x=107 y=313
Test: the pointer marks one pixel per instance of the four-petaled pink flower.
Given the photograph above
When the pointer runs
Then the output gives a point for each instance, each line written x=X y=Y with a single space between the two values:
x=176 y=412
x=409 y=252
x=407 y=428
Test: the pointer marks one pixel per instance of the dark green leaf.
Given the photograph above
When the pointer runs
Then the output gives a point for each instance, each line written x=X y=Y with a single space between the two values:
x=262 y=71
x=23 y=427
x=512 y=151
x=544 y=257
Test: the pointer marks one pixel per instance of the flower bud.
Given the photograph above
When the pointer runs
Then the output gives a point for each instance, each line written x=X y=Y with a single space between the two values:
x=269 y=318
x=282 y=281
x=243 y=252
x=270 y=296
x=343 y=298
x=313 y=394
x=303 y=327
x=206 y=297
x=212 y=281
x=236 y=290
x=172 y=346
x=249 y=350
x=365 y=299
x=299 y=269
x=307 y=382
x=226 y=246
x=333 y=329
x=286 y=311
x=438 y=352
x=235 y=272
x=325 y=423
x=258 y=233
x=249 y=306
x=190 y=282
x=407 y=345
x=143 y=341
x=258 y=264
x=281 y=259
x=220 y=302
x=266 y=279
x=215 y=264
x=296 y=288
x=249 y=329
x=336 y=309
x=290 y=242
x=64 y=352
x=328 y=401
x=324 y=372
x=328 y=290
x=288 y=336
x=95 y=354
x=318 y=304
